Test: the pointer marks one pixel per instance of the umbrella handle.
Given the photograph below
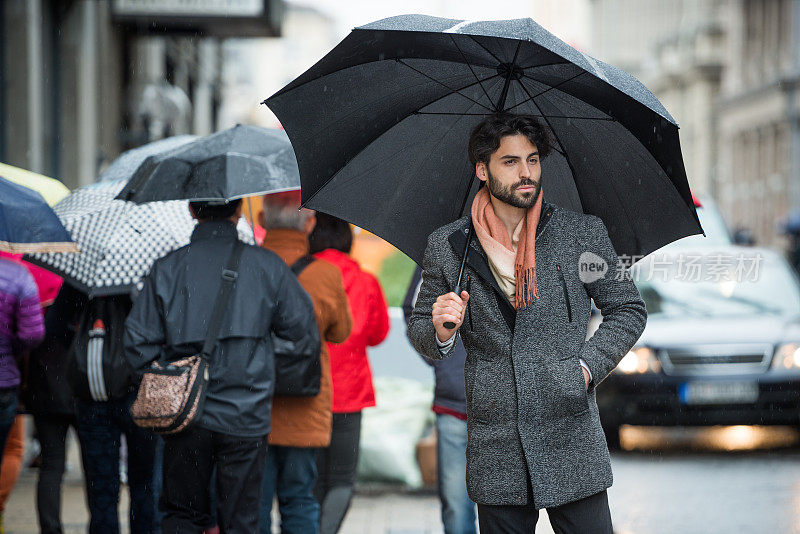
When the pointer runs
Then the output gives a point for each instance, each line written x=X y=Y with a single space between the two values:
x=457 y=289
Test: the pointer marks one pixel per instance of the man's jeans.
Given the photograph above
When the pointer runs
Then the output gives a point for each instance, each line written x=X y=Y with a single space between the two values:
x=100 y=426
x=292 y=473
x=458 y=511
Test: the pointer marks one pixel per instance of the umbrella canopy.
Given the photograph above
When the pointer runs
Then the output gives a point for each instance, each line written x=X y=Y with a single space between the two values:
x=119 y=240
x=126 y=163
x=28 y=224
x=380 y=128
x=231 y=164
x=51 y=189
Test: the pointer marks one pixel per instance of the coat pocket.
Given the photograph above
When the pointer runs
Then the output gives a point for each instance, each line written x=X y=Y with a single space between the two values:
x=577 y=382
x=567 y=303
x=563 y=389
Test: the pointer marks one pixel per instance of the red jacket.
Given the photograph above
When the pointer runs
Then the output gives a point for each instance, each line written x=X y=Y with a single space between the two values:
x=350 y=370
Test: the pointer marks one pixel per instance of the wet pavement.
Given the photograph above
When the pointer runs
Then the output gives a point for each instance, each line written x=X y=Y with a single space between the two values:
x=725 y=479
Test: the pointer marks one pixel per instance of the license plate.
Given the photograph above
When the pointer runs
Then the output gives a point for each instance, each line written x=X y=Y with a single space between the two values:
x=718 y=392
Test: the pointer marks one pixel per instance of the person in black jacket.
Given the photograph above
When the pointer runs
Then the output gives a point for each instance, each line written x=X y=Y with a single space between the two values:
x=171 y=316
x=450 y=407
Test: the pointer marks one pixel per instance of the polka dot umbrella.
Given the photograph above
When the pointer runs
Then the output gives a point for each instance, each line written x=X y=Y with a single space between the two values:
x=118 y=240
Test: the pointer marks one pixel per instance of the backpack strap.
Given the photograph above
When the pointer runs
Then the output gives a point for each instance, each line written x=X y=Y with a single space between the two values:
x=229 y=276
x=298 y=266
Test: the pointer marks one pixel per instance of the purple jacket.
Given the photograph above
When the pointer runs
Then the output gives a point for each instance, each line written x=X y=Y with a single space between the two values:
x=21 y=322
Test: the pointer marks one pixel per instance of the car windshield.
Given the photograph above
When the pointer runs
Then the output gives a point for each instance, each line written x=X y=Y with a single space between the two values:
x=670 y=288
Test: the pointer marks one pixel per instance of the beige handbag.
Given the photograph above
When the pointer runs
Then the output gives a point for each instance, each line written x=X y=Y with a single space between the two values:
x=171 y=395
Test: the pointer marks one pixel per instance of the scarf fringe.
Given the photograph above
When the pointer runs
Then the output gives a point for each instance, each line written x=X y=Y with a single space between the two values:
x=526 y=286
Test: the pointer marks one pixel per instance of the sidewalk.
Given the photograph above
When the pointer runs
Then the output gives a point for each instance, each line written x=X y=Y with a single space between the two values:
x=376 y=508
x=374 y=511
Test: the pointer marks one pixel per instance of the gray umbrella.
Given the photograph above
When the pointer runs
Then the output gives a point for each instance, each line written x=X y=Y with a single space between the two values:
x=127 y=162
x=380 y=128
x=235 y=163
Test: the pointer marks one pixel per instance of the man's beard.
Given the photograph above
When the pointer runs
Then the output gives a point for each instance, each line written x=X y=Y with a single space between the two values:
x=508 y=195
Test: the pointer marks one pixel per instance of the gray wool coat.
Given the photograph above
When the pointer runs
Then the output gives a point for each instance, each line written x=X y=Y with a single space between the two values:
x=531 y=423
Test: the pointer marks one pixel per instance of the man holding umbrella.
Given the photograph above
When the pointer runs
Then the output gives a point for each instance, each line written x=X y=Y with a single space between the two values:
x=379 y=127
x=534 y=434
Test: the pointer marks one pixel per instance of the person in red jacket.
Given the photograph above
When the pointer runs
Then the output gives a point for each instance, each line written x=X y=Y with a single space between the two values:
x=351 y=375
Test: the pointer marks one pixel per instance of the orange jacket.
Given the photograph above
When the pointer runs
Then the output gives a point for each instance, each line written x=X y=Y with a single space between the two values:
x=306 y=421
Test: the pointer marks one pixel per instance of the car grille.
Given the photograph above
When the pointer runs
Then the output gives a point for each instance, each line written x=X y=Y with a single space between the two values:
x=716 y=359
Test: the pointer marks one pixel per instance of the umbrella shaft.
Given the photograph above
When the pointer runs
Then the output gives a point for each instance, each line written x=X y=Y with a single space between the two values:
x=457 y=289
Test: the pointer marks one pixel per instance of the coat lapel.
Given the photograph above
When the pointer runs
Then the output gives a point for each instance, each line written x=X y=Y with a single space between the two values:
x=478 y=262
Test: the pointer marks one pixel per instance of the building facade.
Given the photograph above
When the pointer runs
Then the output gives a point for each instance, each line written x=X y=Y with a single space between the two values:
x=759 y=118
x=728 y=72
x=83 y=80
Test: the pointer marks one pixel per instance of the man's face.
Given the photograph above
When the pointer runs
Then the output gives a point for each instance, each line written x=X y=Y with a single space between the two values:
x=513 y=175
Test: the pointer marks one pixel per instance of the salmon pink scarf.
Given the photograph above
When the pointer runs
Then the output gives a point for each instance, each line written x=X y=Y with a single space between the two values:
x=512 y=258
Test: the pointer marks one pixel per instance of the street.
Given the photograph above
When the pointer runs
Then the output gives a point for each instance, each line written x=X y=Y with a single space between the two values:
x=680 y=488
x=673 y=481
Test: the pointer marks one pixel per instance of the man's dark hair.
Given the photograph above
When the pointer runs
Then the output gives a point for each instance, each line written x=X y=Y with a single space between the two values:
x=485 y=137
x=330 y=232
x=215 y=211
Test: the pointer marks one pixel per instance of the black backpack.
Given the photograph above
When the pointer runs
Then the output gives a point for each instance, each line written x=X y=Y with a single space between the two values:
x=98 y=369
x=298 y=370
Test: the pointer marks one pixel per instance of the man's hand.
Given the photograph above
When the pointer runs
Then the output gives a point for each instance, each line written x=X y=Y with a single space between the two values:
x=586 y=377
x=449 y=308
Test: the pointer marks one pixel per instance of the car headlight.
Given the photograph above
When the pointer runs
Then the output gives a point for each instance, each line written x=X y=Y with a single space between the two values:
x=787 y=357
x=639 y=361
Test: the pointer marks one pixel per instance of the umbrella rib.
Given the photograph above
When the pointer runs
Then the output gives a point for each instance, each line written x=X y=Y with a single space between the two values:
x=610 y=119
x=416 y=111
x=399 y=150
x=504 y=93
x=470 y=68
x=572 y=169
x=457 y=91
x=489 y=51
x=549 y=65
x=624 y=209
x=526 y=100
x=550 y=88
x=451 y=113
x=663 y=174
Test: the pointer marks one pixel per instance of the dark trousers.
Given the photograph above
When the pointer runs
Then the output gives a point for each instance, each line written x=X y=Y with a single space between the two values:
x=189 y=459
x=586 y=516
x=100 y=427
x=336 y=471
x=51 y=430
x=8 y=411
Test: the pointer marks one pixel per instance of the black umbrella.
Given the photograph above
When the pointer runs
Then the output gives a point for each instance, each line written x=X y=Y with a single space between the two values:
x=231 y=164
x=380 y=128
